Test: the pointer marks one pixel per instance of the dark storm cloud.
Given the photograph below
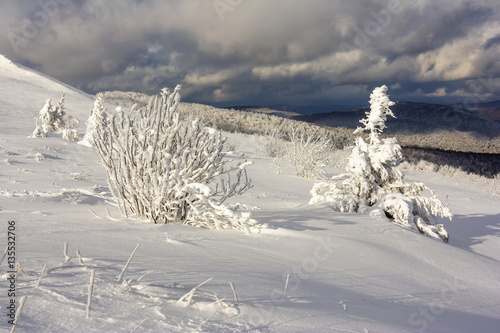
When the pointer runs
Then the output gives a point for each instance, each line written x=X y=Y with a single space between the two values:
x=259 y=51
x=492 y=42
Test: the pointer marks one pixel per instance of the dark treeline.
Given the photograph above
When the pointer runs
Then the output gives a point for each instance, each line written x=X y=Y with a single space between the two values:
x=487 y=165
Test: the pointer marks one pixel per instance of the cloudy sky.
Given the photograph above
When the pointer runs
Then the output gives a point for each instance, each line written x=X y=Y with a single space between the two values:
x=262 y=52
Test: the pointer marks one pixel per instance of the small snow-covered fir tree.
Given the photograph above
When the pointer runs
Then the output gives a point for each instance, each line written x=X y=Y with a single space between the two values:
x=96 y=119
x=161 y=166
x=58 y=122
x=373 y=179
x=44 y=121
x=55 y=120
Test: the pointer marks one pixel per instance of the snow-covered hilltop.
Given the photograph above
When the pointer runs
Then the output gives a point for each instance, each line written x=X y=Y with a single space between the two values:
x=312 y=269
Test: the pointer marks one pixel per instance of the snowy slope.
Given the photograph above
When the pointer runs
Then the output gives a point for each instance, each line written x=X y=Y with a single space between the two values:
x=346 y=272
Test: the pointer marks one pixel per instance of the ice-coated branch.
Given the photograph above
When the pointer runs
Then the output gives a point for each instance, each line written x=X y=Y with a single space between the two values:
x=120 y=277
x=41 y=275
x=18 y=313
x=91 y=290
x=189 y=296
x=234 y=292
x=66 y=255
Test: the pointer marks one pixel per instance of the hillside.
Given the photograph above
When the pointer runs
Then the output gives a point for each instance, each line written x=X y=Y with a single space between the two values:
x=426 y=126
x=345 y=272
x=490 y=110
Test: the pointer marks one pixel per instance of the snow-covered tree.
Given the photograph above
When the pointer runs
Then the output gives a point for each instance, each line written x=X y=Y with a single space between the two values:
x=58 y=116
x=96 y=119
x=44 y=122
x=55 y=120
x=161 y=166
x=373 y=179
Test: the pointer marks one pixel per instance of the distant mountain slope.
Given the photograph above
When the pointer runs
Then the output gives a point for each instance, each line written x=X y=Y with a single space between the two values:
x=425 y=125
x=490 y=110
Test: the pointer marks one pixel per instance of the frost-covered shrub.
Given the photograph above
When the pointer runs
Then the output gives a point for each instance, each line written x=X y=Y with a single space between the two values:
x=307 y=149
x=273 y=143
x=308 y=152
x=54 y=119
x=373 y=179
x=70 y=132
x=161 y=166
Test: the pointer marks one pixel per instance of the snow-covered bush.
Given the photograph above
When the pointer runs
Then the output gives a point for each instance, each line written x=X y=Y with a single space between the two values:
x=70 y=132
x=54 y=119
x=160 y=166
x=373 y=179
x=308 y=152
x=305 y=148
x=273 y=143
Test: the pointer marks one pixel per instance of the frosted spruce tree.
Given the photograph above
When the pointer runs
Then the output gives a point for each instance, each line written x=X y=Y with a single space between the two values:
x=167 y=168
x=96 y=118
x=374 y=181
x=46 y=121
x=55 y=120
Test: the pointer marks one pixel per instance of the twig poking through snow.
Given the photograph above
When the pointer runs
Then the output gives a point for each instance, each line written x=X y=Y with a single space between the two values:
x=66 y=256
x=128 y=284
x=234 y=292
x=142 y=276
x=286 y=284
x=120 y=277
x=344 y=306
x=219 y=301
x=95 y=214
x=138 y=325
x=19 y=269
x=91 y=289
x=3 y=257
x=41 y=275
x=79 y=255
x=206 y=320
x=18 y=313
x=190 y=294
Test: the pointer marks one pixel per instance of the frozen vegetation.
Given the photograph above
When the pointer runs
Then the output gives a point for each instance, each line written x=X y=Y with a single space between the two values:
x=160 y=165
x=373 y=178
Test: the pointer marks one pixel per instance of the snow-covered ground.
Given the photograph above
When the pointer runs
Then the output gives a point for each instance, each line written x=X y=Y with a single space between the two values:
x=345 y=272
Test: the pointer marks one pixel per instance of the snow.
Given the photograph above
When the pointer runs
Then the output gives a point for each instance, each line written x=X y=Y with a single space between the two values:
x=347 y=272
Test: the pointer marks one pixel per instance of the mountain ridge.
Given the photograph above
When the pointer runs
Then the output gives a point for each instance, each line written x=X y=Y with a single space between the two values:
x=429 y=125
